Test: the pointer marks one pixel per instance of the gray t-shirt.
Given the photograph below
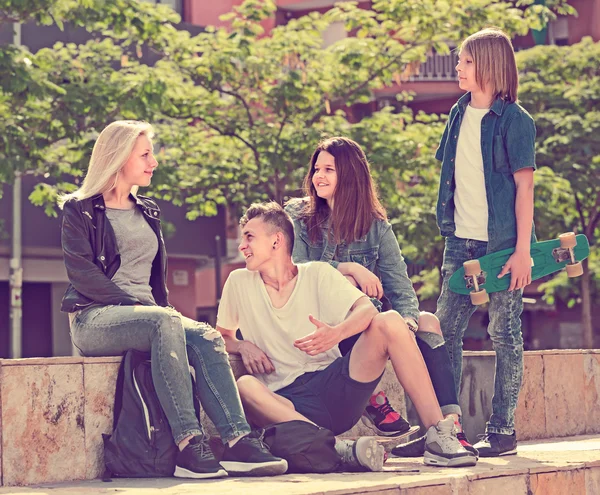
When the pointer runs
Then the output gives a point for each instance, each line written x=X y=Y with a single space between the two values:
x=138 y=246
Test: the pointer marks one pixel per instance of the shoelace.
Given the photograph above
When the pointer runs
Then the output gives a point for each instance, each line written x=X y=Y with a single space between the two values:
x=485 y=437
x=462 y=437
x=258 y=441
x=202 y=449
x=347 y=453
x=384 y=408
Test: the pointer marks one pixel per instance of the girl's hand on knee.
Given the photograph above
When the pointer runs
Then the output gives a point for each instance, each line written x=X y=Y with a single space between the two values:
x=368 y=282
x=352 y=280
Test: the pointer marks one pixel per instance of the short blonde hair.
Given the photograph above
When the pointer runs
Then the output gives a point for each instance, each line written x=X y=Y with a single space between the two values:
x=495 y=63
x=111 y=151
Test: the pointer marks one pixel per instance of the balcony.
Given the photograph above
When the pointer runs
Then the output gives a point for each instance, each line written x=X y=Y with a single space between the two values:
x=436 y=68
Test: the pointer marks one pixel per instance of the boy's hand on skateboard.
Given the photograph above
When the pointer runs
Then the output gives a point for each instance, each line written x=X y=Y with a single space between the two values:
x=519 y=266
x=367 y=281
x=321 y=340
x=254 y=359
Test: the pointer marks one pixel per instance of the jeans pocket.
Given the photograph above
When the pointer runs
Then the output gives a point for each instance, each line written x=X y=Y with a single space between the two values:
x=87 y=316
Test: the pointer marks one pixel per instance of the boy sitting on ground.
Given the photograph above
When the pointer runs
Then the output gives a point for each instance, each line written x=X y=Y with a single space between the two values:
x=292 y=318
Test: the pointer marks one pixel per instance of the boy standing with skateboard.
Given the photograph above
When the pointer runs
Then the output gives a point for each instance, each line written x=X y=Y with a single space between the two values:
x=485 y=204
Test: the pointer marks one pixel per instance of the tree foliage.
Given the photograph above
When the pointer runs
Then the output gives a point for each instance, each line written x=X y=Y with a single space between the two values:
x=560 y=86
x=237 y=111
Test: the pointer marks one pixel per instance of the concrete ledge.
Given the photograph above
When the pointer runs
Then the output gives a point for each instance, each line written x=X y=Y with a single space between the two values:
x=560 y=395
x=570 y=466
x=54 y=410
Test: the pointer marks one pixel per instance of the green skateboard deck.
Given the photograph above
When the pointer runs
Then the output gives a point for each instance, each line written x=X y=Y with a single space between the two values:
x=546 y=257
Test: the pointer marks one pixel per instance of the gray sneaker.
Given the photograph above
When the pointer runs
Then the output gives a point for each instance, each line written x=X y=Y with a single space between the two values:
x=442 y=448
x=364 y=454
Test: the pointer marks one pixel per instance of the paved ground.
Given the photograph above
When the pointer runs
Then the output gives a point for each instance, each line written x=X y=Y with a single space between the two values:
x=570 y=462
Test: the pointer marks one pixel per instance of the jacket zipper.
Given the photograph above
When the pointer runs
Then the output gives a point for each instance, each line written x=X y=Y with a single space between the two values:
x=81 y=306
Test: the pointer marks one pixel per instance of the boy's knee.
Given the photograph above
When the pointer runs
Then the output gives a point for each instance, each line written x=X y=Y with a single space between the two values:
x=249 y=386
x=430 y=331
x=390 y=325
x=428 y=322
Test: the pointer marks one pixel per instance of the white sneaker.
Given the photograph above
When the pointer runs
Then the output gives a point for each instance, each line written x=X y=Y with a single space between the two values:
x=442 y=448
x=364 y=454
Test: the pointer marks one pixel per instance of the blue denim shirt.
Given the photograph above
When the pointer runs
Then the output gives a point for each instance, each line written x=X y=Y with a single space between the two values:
x=507 y=145
x=378 y=251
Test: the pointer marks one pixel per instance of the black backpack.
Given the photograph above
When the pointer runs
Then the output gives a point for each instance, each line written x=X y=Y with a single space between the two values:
x=306 y=447
x=141 y=444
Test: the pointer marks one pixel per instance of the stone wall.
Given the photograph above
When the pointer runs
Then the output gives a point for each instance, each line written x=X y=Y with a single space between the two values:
x=54 y=410
x=560 y=395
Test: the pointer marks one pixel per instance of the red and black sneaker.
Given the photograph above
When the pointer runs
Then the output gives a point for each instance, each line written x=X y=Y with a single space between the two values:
x=462 y=438
x=381 y=417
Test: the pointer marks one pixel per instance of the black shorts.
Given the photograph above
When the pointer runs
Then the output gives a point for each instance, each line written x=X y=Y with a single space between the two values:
x=330 y=398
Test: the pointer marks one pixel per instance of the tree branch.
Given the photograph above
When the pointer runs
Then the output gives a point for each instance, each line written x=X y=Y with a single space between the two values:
x=580 y=211
x=237 y=96
x=365 y=83
x=223 y=132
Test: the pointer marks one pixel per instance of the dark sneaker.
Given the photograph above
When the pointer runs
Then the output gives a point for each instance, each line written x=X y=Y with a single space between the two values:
x=414 y=448
x=250 y=456
x=381 y=417
x=442 y=448
x=462 y=438
x=497 y=444
x=197 y=461
x=364 y=454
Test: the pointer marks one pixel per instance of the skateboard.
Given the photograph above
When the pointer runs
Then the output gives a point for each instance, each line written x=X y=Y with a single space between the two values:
x=388 y=442
x=382 y=438
x=478 y=278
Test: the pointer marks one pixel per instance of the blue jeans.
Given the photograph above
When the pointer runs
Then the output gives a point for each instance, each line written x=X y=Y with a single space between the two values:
x=505 y=308
x=171 y=339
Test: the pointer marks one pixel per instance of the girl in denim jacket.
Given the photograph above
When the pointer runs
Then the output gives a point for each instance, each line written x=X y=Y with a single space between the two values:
x=485 y=204
x=341 y=221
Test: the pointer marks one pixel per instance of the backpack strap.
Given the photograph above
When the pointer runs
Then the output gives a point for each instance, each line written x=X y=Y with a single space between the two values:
x=119 y=389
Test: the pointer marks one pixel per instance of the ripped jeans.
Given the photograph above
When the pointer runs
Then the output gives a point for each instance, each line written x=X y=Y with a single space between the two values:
x=171 y=339
x=454 y=311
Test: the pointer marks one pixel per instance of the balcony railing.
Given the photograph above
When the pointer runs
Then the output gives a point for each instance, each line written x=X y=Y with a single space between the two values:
x=437 y=68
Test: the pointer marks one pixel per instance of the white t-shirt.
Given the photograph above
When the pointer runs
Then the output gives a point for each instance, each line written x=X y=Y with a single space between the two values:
x=470 y=200
x=320 y=290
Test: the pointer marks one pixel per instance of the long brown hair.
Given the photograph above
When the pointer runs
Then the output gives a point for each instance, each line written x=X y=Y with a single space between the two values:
x=495 y=63
x=356 y=204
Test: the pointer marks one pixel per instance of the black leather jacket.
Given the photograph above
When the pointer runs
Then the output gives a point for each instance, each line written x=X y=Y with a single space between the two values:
x=92 y=256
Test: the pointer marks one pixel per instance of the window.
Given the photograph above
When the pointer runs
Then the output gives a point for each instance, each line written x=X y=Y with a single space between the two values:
x=174 y=4
x=559 y=32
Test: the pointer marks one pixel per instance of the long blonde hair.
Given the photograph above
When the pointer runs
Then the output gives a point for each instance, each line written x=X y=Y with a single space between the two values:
x=495 y=63
x=111 y=151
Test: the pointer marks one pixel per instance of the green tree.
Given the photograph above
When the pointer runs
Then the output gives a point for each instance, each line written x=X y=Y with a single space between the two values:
x=52 y=101
x=237 y=112
x=560 y=86
x=251 y=107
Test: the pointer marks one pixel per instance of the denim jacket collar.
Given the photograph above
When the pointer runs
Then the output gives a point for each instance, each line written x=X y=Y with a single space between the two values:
x=497 y=107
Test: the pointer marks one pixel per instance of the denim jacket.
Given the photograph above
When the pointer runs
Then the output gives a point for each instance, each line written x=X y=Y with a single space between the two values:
x=378 y=251
x=507 y=145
